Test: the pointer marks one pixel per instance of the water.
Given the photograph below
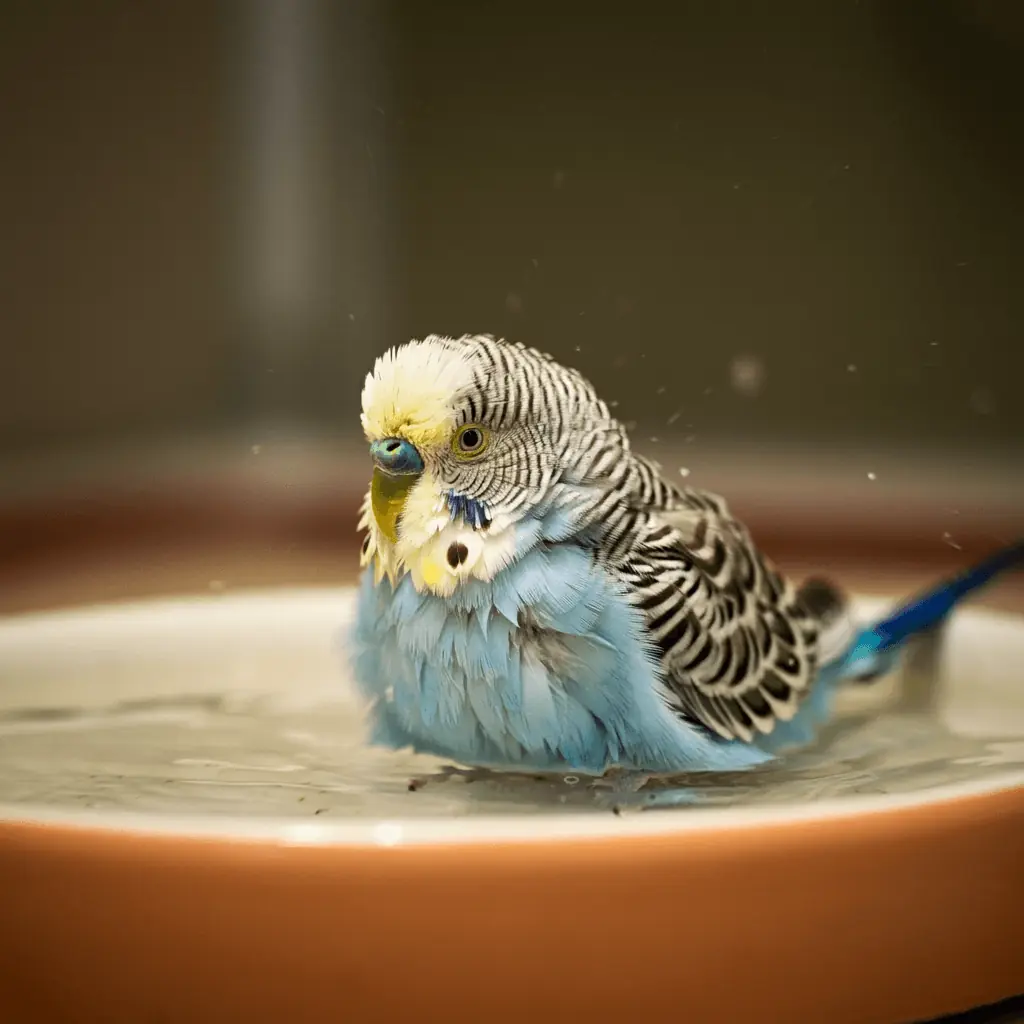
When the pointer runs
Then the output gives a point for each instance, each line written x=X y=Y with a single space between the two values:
x=250 y=758
x=283 y=738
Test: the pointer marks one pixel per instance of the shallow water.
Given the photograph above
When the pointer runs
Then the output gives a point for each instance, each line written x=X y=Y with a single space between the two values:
x=297 y=752
x=237 y=756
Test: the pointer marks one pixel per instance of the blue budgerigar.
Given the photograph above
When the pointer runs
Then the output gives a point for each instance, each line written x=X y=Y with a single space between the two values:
x=537 y=597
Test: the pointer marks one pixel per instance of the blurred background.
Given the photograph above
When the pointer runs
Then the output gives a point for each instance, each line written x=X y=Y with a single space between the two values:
x=784 y=238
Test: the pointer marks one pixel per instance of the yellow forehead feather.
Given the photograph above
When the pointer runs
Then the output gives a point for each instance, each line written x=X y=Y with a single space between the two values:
x=412 y=392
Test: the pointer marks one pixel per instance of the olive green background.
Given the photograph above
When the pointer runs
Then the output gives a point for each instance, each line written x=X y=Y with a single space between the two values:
x=214 y=216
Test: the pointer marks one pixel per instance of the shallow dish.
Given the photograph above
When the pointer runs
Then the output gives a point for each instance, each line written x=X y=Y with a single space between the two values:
x=191 y=829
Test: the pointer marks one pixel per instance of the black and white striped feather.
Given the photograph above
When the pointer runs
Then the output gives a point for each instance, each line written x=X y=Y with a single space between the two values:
x=739 y=646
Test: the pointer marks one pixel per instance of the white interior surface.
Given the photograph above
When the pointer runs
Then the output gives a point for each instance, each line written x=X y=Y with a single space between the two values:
x=62 y=672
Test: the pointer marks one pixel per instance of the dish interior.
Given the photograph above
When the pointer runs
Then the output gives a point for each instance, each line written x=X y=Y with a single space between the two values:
x=238 y=707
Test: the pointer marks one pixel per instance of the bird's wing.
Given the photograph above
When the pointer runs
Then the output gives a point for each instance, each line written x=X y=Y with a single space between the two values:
x=739 y=645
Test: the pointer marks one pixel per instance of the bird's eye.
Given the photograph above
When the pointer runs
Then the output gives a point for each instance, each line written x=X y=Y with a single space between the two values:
x=470 y=441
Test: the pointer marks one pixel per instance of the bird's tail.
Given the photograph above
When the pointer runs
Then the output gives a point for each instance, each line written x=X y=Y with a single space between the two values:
x=874 y=649
x=865 y=653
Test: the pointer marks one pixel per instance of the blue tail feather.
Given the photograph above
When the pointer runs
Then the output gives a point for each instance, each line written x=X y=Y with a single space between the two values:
x=876 y=647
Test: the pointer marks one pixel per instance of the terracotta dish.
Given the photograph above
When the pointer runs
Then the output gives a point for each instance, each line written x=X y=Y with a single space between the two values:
x=253 y=881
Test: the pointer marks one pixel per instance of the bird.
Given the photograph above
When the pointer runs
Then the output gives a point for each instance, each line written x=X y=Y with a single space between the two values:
x=536 y=597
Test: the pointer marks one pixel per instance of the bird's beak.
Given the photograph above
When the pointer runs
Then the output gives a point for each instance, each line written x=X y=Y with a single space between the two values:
x=397 y=467
x=396 y=457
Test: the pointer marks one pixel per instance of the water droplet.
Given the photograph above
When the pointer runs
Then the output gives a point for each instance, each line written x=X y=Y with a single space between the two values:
x=654 y=440
x=948 y=538
x=851 y=367
x=747 y=375
x=217 y=586
x=256 y=449
x=872 y=476
x=673 y=418
x=660 y=391
x=684 y=471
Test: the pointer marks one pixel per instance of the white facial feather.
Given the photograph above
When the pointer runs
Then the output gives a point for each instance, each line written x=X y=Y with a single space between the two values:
x=412 y=391
x=457 y=553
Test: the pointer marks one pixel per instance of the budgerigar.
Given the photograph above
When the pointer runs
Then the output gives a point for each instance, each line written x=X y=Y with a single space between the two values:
x=536 y=597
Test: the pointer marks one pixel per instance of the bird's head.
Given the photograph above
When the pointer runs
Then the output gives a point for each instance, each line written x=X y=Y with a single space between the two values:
x=468 y=436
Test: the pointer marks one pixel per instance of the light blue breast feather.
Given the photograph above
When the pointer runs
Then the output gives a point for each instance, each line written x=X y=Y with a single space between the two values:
x=470 y=677
x=462 y=678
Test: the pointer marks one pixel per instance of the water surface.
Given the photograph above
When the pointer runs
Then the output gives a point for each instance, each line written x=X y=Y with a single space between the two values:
x=283 y=736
